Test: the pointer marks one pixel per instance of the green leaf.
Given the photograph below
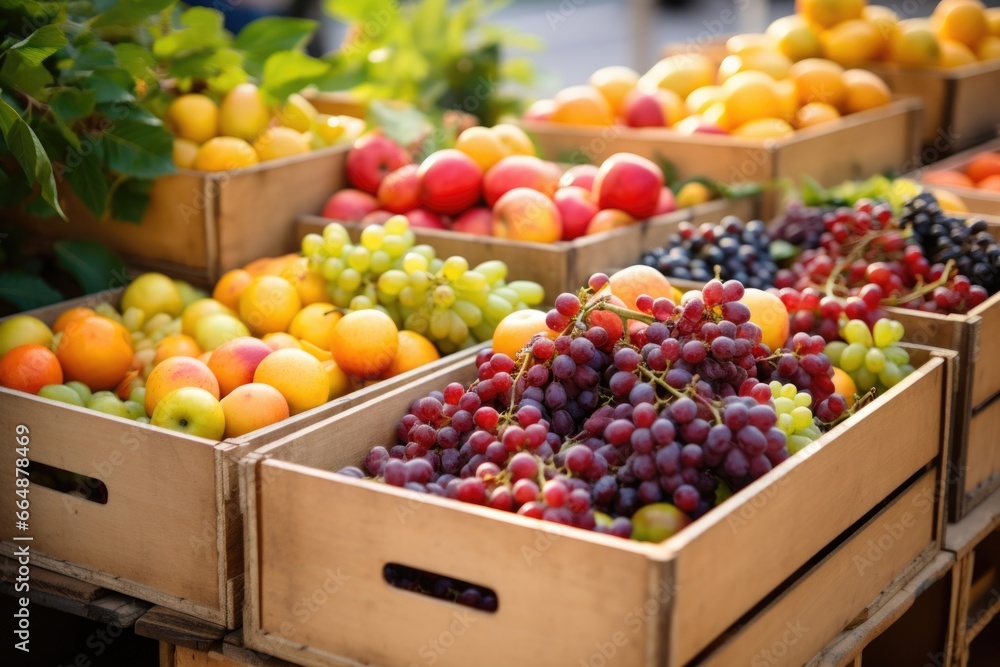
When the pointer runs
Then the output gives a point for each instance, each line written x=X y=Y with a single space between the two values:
x=27 y=150
x=25 y=291
x=136 y=60
x=288 y=72
x=93 y=55
x=94 y=266
x=89 y=183
x=130 y=200
x=362 y=11
x=202 y=30
x=403 y=125
x=29 y=79
x=111 y=85
x=139 y=149
x=38 y=46
x=68 y=104
x=130 y=12
x=260 y=38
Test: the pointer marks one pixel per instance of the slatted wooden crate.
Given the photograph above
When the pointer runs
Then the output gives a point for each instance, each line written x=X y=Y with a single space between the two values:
x=312 y=534
x=171 y=530
x=201 y=224
x=565 y=265
x=984 y=202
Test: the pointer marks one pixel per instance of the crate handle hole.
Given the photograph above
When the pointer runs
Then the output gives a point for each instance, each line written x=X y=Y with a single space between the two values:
x=64 y=481
x=441 y=587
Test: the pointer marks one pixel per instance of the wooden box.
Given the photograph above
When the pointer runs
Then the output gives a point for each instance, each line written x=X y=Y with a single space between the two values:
x=564 y=595
x=855 y=146
x=984 y=202
x=171 y=530
x=565 y=265
x=201 y=224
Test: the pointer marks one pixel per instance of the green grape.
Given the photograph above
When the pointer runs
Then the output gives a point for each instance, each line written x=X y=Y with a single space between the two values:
x=477 y=299
x=380 y=262
x=864 y=379
x=775 y=388
x=856 y=331
x=370 y=291
x=783 y=405
x=380 y=308
x=409 y=237
x=440 y=324
x=341 y=297
x=833 y=350
x=803 y=417
x=786 y=423
x=435 y=266
x=496 y=308
x=414 y=262
x=134 y=410
x=507 y=294
x=789 y=391
x=812 y=432
x=469 y=281
x=469 y=312
x=153 y=324
x=906 y=369
x=392 y=310
x=173 y=327
x=392 y=282
x=410 y=297
x=372 y=236
x=361 y=302
x=803 y=399
x=797 y=443
x=332 y=267
x=424 y=250
x=137 y=336
x=444 y=297
x=886 y=332
x=896 y=355
x=530 y=293
x=396 y=246
x=890 y=374
x=416 y=322
x=421 y=281
x=333 y=249
x=454 y=267
x=484 y=330
x=853 y=357
x=459 y=330
x=447 y=347
x=493 y=270
x=312 y=244
x=336 y=233
x=360 y=259
x=349 y=280
x=396 y=225
x=874 y=360
x=133 y=318
x=105 y=309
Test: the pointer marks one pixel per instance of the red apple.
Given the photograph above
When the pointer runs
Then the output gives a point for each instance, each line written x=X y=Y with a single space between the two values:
x=608 y=219
x=576 y=210
x=371 y=158
x=400 y=191
x=581 y=175
x=652 y=108
x=693 y=124
x=421 y=218
x=667 y=204
x=349 y=205
x=377 y=217
x=630 y=183
x=540 y=110
x=450 y=181
x=477 y=220
x=520 y=171
x=524 y=214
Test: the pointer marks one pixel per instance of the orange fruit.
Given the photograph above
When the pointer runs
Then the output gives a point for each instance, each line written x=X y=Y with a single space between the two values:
x=253 y=406
x=915 y=44
x=364 y=343
x=224 y=154
x=414 y=351
x=819 y=80
x=68 y=316
x=340 y=382
x=614 y=83
x=948 y=177
x=315 y=323
x=30 y=367
x=299 y=376
x=983 y=165
x=582 y=105
x=514 y=331
x=269 y=304
x=176 y=373
x=815 y=113
x=843 y=384
x=482 y=145
x=309 y=284
x=865 y=90
x=829 y=13
x=176 y=345
x=232 y=283
x=955 y=54
x=769 y=313
x=750 y=96
x=991 y=183
x=960 y=20
x=95 y=351
x=270 y=266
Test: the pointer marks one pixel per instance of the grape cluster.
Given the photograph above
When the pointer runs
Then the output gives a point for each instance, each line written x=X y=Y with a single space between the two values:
x=739 y=251
x=446 y=300
x=795 y=416
x=599 y=418
x=872 y=357
x=800 y=225
x=811 y=312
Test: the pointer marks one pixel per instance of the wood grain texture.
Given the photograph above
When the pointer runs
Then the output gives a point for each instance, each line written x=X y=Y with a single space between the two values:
x=982 y=464
x=167 y=625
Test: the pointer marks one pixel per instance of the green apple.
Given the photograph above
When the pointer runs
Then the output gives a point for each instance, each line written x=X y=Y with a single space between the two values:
x=108 y=403
x=191 y=410
x=657 y=522
x=211 y=331
x=134 y=410
x=81 y=389
x=61 y=393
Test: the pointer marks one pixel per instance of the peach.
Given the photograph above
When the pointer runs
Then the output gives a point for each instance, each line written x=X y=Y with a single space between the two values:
x=653 y=108
x=177 y=372
x=769 y=313
x=235 y=361
x=299 y=376
x=632 y=281
x=582 y=105
x=520 y=171
x=576 y=210
x=253 y=406
x=400 y=190
x=524 y=214
x=608 y=219
x=630 y=183
x=349 y=205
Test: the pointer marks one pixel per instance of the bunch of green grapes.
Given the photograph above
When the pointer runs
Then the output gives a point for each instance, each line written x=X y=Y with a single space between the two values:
x=146 y=333
x=871 y=356
x=446 y=300
x=795 y=415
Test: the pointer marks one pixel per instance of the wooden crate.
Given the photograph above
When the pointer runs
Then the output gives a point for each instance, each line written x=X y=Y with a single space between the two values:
x=312 y=533
x=855 y=146
x=201 y=224
x=171 y=531
x=565 y=265
x=983 y=202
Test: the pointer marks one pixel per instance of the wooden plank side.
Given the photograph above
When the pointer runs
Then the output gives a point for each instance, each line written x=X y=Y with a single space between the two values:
x=879 y=450
x=972 y=120
x=806 y=617
x=985 y=353
x=179 y=629
x=962 y=537
x=982 y=464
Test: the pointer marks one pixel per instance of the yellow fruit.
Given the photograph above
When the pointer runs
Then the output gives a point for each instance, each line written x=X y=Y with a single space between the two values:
x=198 y=310
x=988 y=48
x=955 y=54
x=865 y=90
x=281 y=340
x=364 y=343
x=692 y=194
x=949 y=201
x=414 y=351
x=269 y=304
x=843 y=384
x=960 y=20
x=225 y=154
x=298 y=376
x=614 y=83
x=243 y=113
x=316 y=351
x=749 y=43
x=750 y=96
x=340 y=382
x=915 y=44
x=788 y=97
x=279 y=142
x=764 y=128
x=700 y=99
x=993 y=20
x=828 y=13
x=314 y=324
x=153 y=293
x=23 y=330
x=194 y=117
x=716 y=115
x=815 y=113
x=680 y=73
x=211 y=331
x=482 y=145
x=851 y=42
x=328 y=129
x=185 y=151
x=582 y=105
x=772 y=63
x=884 y=20
x=310 y=285
x=819 y=80
x=514 y=138
x=795 y=38
x=297 y=113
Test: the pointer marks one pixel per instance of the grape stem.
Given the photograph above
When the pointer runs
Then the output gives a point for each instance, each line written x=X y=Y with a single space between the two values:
x=923 y=289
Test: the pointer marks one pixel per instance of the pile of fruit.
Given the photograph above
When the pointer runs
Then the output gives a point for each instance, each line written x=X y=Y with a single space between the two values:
x=267 y=343
x=243 y=129
x=757 y=92
x=492 y=184
x=982 y=173
x=628 y=413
